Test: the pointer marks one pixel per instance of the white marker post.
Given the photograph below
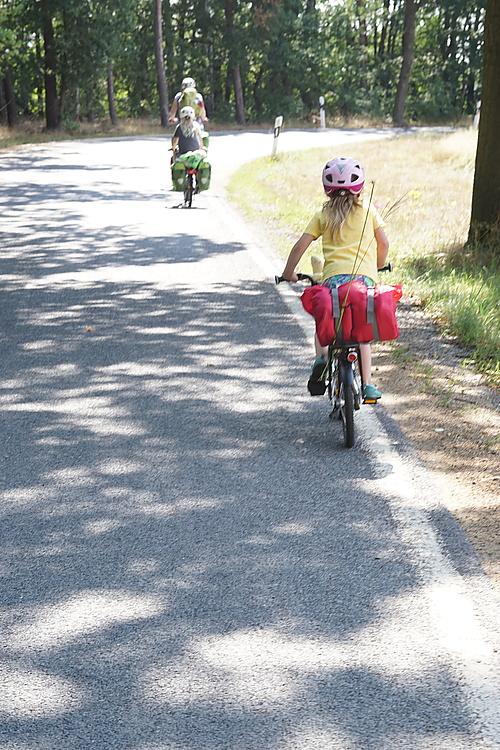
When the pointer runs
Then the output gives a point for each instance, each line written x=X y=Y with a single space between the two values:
x=475 y=123
x=277 y=127
x=322 y=120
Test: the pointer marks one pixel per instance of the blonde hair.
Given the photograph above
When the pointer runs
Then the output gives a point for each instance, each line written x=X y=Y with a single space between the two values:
x=337 y=210
x=189 y=127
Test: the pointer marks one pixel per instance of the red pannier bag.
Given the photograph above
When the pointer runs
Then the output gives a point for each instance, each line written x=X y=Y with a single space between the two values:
x=317 y=301
x=353 y=312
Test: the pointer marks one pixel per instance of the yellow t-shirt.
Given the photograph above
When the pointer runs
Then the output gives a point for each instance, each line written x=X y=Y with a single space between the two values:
x=355 y=251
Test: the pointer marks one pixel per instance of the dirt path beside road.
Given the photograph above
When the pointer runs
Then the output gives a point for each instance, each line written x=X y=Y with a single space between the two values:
x=452 y=418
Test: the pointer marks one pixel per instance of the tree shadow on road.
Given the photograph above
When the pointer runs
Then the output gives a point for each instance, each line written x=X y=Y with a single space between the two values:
x=191 y=559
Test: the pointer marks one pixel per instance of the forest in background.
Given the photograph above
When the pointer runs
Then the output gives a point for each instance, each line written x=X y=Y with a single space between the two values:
x=68 y=61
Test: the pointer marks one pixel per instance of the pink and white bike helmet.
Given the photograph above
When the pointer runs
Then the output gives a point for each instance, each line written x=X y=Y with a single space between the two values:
x=343 y=172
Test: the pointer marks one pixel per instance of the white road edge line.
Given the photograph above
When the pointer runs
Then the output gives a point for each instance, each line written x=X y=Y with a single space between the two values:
x=468 y=635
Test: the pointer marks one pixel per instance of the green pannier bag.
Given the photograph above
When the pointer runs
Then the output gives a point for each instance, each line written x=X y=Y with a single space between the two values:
x=204 y=171
x=178 y=176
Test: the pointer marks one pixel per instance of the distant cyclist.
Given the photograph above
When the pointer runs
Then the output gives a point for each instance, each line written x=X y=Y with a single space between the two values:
x=188 y=96
x=354 y=247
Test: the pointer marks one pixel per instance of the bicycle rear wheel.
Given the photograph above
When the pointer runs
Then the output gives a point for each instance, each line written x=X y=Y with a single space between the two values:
x=188 y=190
x=346 y=399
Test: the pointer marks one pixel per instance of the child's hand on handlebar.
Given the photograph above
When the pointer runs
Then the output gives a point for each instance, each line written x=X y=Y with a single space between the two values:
x=290 y=277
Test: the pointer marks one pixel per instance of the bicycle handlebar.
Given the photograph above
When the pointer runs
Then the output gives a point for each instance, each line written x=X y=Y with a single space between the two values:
x=313 y=282
x=300 y=276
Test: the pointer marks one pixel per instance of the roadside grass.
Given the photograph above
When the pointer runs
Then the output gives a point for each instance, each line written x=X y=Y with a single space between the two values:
x=33 y=130
x=423 y=188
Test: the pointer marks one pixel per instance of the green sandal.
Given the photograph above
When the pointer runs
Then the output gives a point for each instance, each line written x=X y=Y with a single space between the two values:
x=371 y=393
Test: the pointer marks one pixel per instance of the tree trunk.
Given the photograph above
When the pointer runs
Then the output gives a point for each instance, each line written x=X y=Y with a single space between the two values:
x=50 y=68
x=238 y=96
x=363 y=40
x=78 y=109
x=485 y=217
x=234 y=66
x=160 y=65
x=111 y=98
x=383 y=34
x=398 y=114
x=10 y=98
x=63 y=90
x=3 y=105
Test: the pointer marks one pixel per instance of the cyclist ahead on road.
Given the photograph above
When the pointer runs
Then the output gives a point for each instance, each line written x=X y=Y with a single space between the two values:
x=188 y=96
x=189 y=146
x=188 y=134
x=348 y=226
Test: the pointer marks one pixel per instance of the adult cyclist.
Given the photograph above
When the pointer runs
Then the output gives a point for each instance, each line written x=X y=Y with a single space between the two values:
x=188 y=83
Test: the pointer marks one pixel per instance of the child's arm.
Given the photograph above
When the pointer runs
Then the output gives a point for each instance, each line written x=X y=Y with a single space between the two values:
x=382 y=247
x=296 y=254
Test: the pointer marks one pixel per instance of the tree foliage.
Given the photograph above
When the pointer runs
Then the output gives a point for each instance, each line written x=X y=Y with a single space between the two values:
x=252 y=59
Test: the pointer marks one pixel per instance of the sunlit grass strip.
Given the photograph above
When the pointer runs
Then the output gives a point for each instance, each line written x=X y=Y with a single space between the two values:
x=467 y=306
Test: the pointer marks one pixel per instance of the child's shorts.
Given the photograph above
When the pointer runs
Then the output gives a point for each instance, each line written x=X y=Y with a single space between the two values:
x=334 y=281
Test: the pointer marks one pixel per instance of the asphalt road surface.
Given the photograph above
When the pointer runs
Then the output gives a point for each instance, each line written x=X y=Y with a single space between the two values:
x=190 y=558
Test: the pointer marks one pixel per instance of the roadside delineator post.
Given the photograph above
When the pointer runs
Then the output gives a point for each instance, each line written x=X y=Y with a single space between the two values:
x=475 y=123
x=278 y=123
x=322 y=119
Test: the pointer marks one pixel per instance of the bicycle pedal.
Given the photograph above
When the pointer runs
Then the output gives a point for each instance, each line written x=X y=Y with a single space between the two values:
x=370 y=400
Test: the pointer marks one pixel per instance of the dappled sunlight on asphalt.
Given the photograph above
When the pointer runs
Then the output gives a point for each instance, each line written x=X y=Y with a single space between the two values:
x=30 y=694
x=55 y=625
x=191 y=560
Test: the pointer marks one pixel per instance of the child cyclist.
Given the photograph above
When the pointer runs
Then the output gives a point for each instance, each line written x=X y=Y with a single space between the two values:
x=354 y=247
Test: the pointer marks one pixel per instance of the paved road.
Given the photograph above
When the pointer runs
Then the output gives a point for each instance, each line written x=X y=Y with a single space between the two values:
x=190 y=559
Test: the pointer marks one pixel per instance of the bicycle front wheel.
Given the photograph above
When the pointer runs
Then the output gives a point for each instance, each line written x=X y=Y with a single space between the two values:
x=346 y=399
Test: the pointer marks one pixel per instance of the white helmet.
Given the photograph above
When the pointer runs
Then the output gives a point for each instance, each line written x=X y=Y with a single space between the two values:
x=187 y=113
x=188 y=83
